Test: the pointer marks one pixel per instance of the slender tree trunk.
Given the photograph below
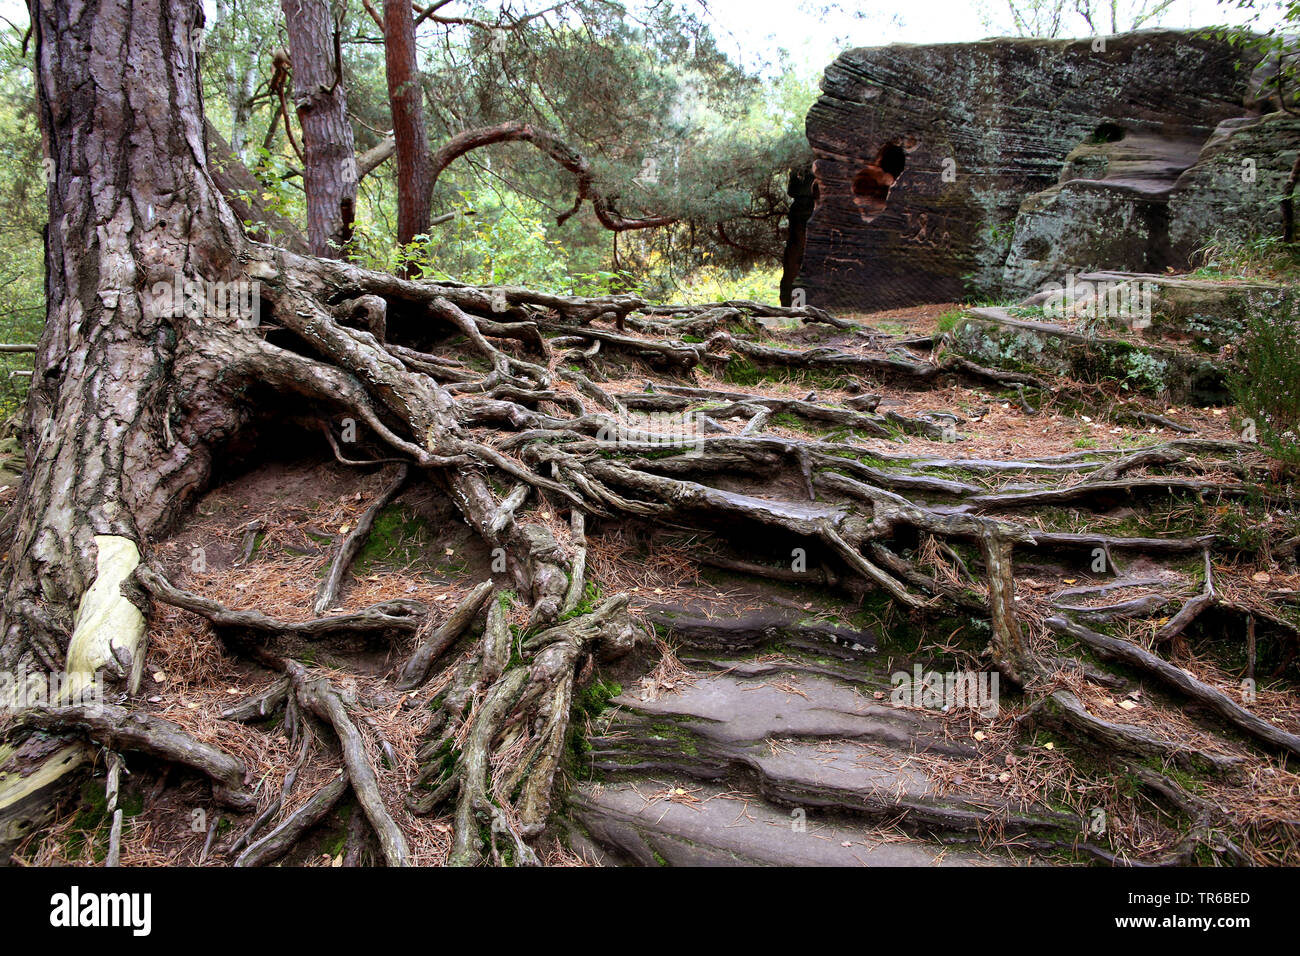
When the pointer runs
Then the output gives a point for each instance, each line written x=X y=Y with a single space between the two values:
x=800 y=191
x=330 y=169
x=1288 y=202
x=241 y=83
x=114 y=447
x=414 y=180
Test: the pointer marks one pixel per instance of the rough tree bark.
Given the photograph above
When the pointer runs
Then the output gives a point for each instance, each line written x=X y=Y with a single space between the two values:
x=414 y=180
x=320 y=97
x=115 y=448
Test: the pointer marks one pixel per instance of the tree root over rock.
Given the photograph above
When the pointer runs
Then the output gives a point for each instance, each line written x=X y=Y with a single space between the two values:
x=494 y=439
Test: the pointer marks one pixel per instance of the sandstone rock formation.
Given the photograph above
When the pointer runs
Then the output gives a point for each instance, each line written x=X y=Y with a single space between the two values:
x=987 y=169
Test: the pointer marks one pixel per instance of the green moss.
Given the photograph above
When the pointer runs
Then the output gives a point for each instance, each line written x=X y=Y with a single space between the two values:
x=786 y=420
x=593 y=700
x=684 y=738
x=399 y=537
x=588 y=704
x=587 y=604
x=741 y=371
x=92 y=822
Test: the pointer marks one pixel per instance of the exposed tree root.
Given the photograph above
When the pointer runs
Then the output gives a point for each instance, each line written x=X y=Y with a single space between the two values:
x=1176 y=677
x=118 y=729
x=500 y=432
x=285 y=836
x=416 y=669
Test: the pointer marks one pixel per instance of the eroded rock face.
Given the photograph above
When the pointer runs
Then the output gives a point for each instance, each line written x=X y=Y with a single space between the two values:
x=988 y=168
x=1231 y=191
x=1171 y=335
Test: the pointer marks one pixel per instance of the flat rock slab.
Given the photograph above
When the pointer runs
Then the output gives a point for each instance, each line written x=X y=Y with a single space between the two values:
x=736 y=709
x=992 y=336
x=804 y=739
x=709 y=826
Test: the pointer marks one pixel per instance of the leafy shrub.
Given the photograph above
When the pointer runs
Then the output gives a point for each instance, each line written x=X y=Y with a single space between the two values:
x=1266 y=381
x=1263 y=257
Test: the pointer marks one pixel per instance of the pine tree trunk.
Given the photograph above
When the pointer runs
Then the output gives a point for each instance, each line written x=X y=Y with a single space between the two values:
x=414 y=180
x=330 y=171
x=115 y=449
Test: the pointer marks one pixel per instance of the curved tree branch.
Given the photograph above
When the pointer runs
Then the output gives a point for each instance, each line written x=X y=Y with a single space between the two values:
x=564 y=154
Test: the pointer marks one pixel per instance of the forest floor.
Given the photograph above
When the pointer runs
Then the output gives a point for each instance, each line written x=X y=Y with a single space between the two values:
x=762 y=722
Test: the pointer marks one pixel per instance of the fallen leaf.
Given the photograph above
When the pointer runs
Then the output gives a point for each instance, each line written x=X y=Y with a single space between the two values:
x=344 y=529
x=980 y=735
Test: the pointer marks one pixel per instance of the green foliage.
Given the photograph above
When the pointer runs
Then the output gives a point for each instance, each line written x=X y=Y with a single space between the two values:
x=22 y=217
x=670 y=125
x=720 y=284
x=948 y=320
x=1261 y=257
x=505 y=244
x=1266 y=380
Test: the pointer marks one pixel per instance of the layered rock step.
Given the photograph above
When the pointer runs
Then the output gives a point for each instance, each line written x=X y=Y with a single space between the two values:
x=1155 y=334
x=745 y=759
x=651 y=823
